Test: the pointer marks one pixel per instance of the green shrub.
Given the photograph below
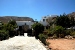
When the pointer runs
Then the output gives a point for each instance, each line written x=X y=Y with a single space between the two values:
x=12 y=33
x=73 y=34
x=57 y=31
x=4 y=35
x=43 y=38
x=68 y=31
x=49 y=33
x=47 y=43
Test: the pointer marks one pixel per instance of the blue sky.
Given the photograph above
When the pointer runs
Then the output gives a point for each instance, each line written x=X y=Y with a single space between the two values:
x=36 y=8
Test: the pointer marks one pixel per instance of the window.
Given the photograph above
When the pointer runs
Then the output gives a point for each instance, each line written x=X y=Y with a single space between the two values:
x=47 y=20
x=43 y=19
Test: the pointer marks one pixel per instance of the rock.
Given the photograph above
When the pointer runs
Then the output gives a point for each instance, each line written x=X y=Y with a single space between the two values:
x=69 y=37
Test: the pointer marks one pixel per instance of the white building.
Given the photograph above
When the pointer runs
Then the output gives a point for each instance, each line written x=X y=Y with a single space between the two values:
x=29 y=23
x=48 y=17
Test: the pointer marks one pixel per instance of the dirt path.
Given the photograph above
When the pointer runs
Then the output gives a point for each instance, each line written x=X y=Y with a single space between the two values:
x=62 y=44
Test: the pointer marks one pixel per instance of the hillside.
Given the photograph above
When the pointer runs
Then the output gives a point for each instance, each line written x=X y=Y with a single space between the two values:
x=71 y=14
x=5 y=19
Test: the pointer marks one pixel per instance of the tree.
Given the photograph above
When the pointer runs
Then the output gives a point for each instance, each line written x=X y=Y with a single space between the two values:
x=72 y=21
x=13 y=23
x=63 y=21
x=7 y=30
x=38 y=28
x=10 y=27
x=4 y=34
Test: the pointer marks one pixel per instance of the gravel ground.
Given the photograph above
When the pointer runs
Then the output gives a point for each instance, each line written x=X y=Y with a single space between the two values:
x=21 y=43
